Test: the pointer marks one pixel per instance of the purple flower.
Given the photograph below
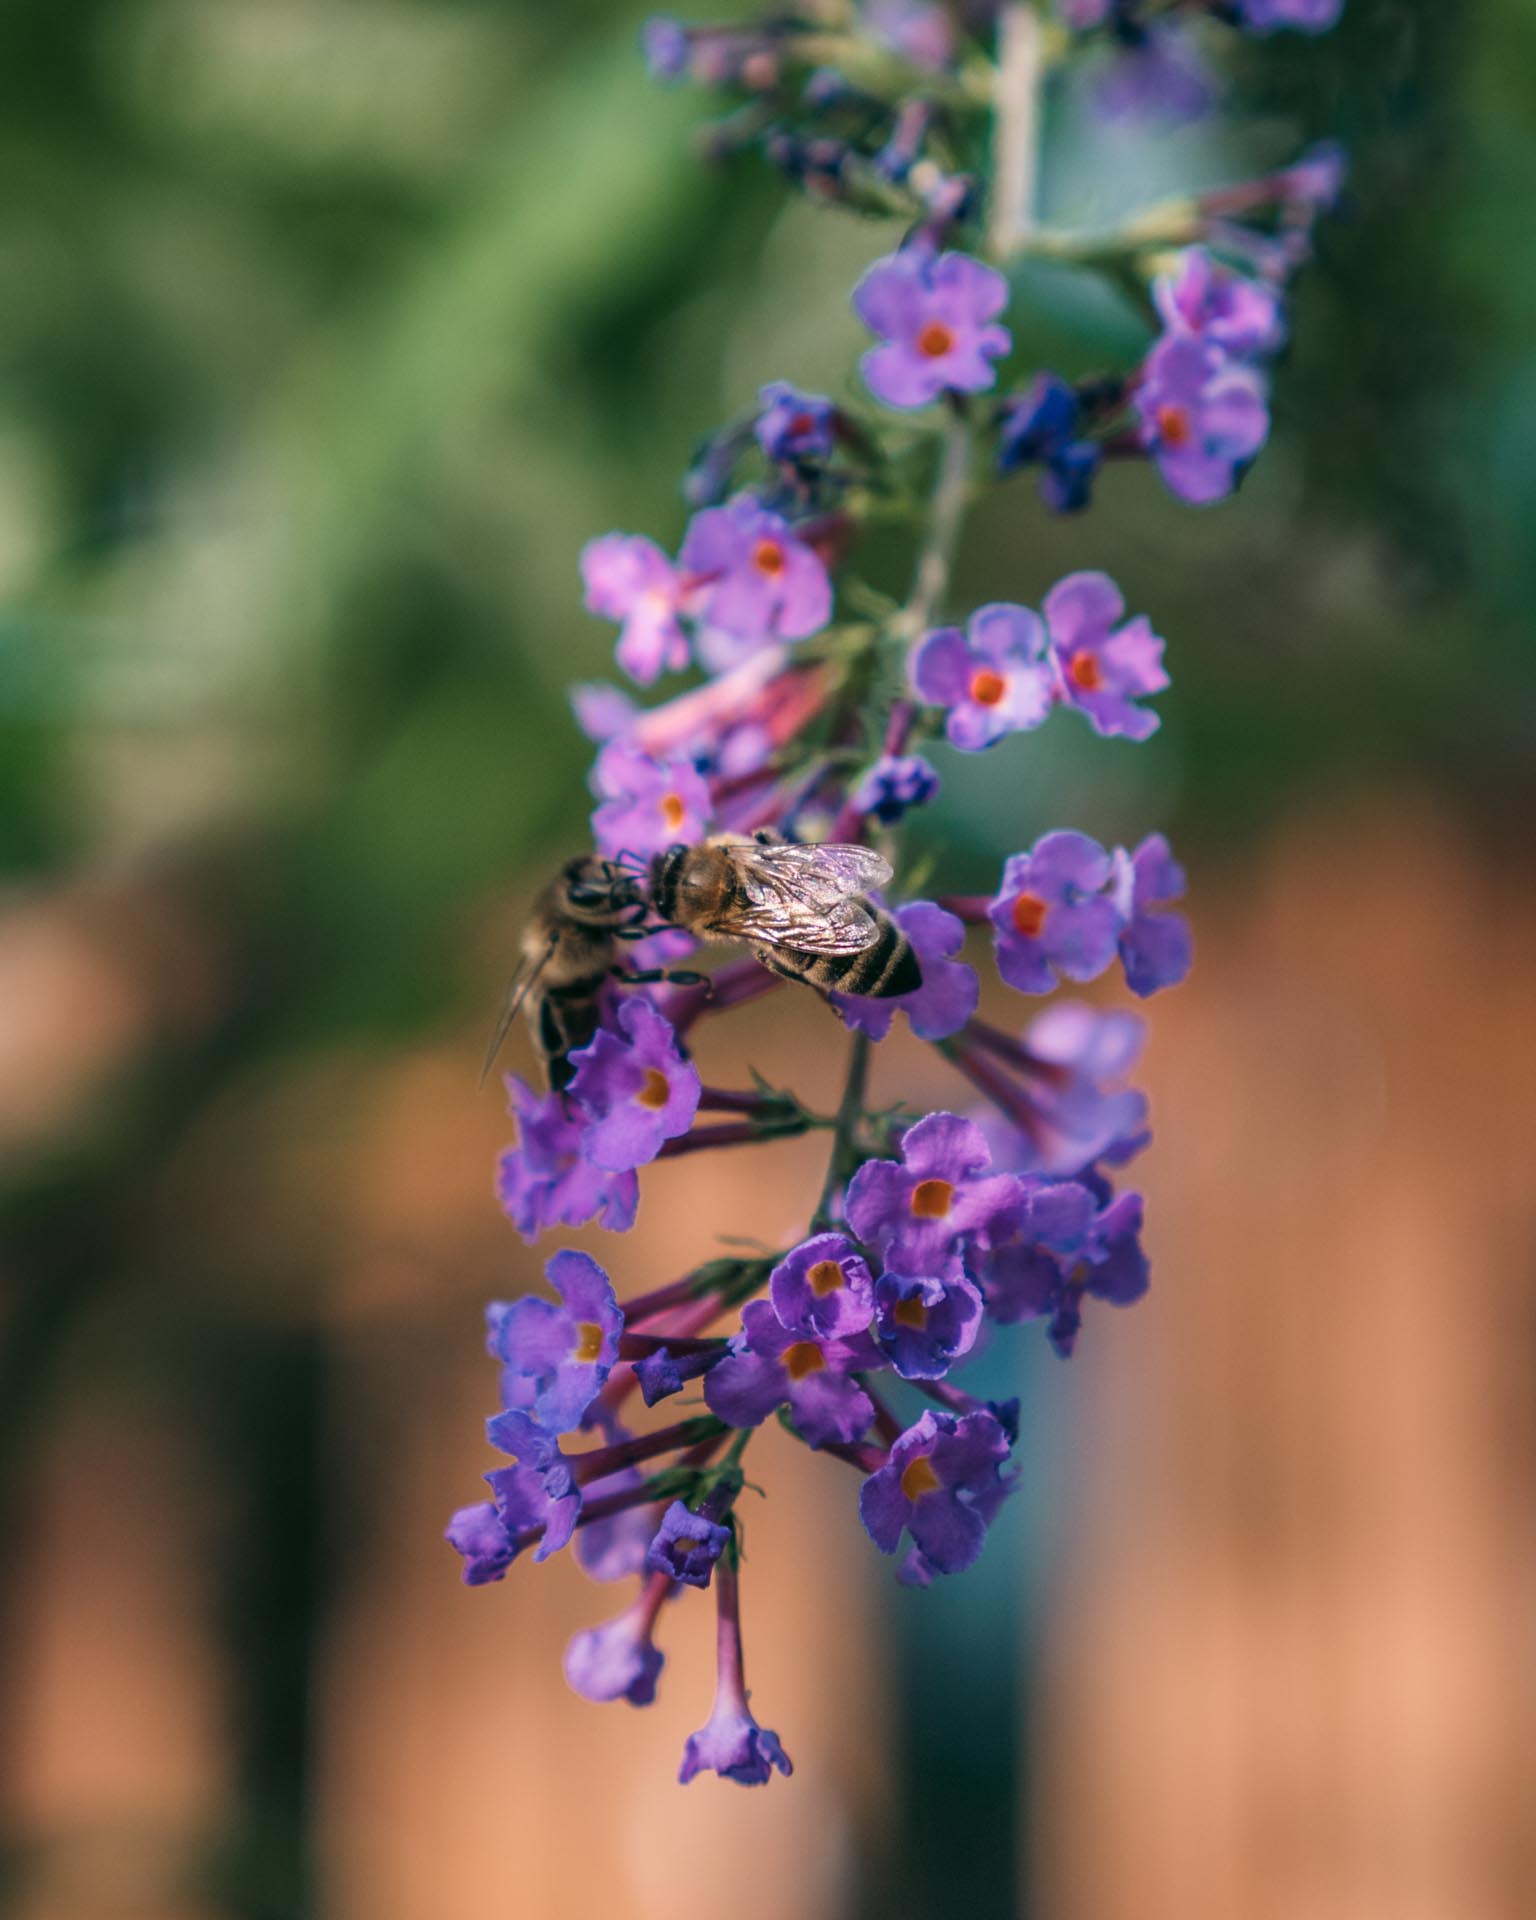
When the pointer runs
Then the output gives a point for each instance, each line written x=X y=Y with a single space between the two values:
x=545 y=1181
x=1158 y=75
x=1017 y=1274
x=686 y=1546
x=629 y=579
x=555 y=1359
x=731 y=1743
x=950 y=990
x=1202 y=418
x=613 y=1548
x=540 y=1490
x=635 y=1091
x=917 y=1210
x=924 y=33
x=942 y=1483
x=1052 y=914
x=663 y=1373
x=771 y=1365
x=620 y=1660
x=894 y=785
x=1306 y=16
x=647 y=805
x=1156 y=949
x=1082 y=16
x=1040 y=427
x=1030 y=1283
x=1208 y=301
x=823 y=1288
x=752 y=579
x=925 y=1322
x=478 y=1536
x=664 y=42
x=992 y=679
x=1102 y=667
x=793 y=426
x=1076 y=1117
x=935 y=314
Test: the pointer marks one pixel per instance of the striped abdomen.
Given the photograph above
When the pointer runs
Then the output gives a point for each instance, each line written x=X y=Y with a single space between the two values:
x=880 y=972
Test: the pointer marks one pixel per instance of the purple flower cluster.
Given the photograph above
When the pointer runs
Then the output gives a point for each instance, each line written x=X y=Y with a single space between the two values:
x=813 y=704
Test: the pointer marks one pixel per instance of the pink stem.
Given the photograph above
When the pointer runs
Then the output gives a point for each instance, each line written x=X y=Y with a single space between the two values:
x=601 y=1461
x=731 y=1133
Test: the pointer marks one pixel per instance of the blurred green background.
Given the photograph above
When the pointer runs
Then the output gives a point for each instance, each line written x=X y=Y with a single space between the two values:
x=329 y=330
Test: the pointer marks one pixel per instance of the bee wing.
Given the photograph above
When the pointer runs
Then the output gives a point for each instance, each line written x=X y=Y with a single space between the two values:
x=796 y=897
x=517 y=991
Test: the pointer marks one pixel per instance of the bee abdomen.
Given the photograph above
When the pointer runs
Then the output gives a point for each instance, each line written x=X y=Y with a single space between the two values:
x=881 y=972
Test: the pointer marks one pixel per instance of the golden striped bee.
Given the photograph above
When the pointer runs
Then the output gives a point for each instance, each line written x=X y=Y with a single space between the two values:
x=803 y=910
x=571 y=947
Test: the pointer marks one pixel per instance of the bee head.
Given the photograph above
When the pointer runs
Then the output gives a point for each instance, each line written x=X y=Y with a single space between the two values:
x=601 y=893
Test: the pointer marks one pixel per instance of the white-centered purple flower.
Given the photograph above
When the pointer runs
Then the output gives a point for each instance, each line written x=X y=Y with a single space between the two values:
x=647 y=805
x=794 y=426
x=1202 y=417
x=1104 y=663
x=823 y=1288
x=937 y=316
x=1156 y=948
x=686 y=1546
x=942 y=1483
x=772 y=1366
x=1053 y=914
x=917 y=1211
x=924 y=1323
x=547 y=1181
x=992 y=679
x=751 y=578
x=556 y=1358
x=1210 y=302
x=950 y=990
x=629 y=579
x=634 y=1087
x=619 y=1660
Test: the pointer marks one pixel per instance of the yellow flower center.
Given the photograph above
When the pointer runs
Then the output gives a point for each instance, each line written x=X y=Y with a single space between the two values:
x=653 y=1090
x=682 y=1546
x=919 y=1478
x=910 y=1313
x=1029 y=912
x=825 y=1277
x=589 y=1342
x=802 y=1358
x=931 y=1198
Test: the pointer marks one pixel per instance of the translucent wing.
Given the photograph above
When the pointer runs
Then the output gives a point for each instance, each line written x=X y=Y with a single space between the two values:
x=806 y=897
x=517 y=992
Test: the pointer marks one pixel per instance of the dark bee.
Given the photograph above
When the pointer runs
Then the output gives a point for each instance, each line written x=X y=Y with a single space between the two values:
x=803 y=910
x=571 y=948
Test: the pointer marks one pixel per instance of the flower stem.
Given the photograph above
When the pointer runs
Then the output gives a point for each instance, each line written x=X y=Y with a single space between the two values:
x=1015 y=128
x=850 y=1114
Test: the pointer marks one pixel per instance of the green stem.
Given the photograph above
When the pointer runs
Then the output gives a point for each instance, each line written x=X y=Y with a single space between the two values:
x=850 y=1115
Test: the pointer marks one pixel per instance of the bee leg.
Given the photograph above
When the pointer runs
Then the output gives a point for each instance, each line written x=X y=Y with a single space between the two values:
x=645 y=976
x=644 y=933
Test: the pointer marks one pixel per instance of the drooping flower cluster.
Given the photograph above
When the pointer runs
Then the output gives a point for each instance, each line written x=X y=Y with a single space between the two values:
x=818 y=702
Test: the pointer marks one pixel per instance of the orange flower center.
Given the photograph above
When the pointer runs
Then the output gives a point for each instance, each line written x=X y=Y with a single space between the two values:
x=768 y=557
x=910 y=1313
x=825 y=1277
x=802 y=1358
x=673 y=812
x=653 y=1090
x=931 y=1198
x=1173 y=426
x=935 y=340
x=987 y=687
x=1084 y=672
x=589 y=1342
x=919 y=1478
x=801 y=423
x=1029 y=912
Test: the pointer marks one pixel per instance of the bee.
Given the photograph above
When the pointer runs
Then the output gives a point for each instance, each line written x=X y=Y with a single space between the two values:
x=803 y=910
x=571 y=948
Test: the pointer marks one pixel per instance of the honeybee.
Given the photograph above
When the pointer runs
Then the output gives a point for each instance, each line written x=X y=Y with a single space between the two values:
x=803 y=910
x=571 y=947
